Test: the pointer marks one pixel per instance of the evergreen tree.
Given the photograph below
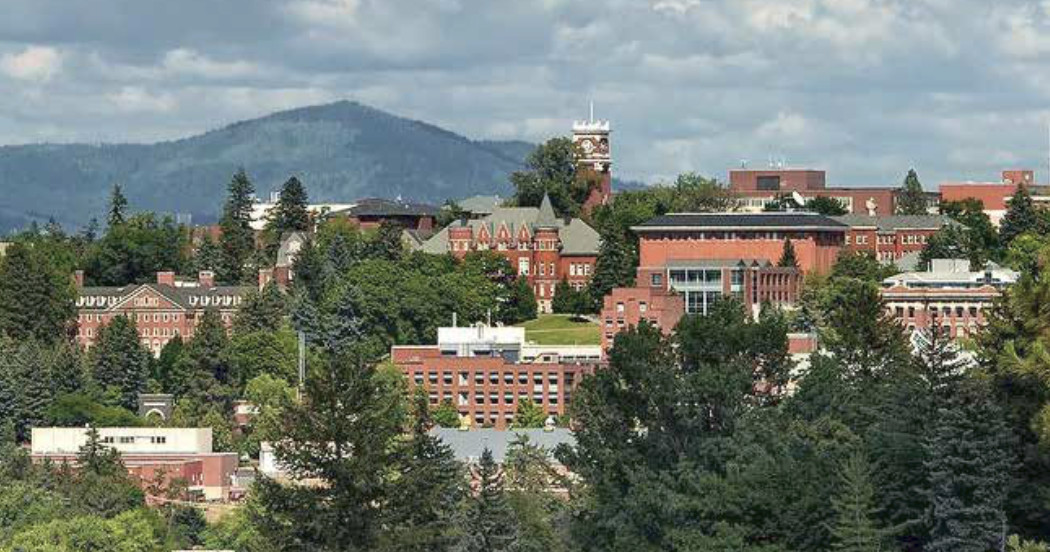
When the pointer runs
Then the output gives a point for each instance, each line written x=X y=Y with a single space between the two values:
x=118 y=206
x=118 y=360
x=164 y=369
x=207 y=349
x=386 y=242
x=854 y=529
x=290 y=213
x=564 y=301
x=208 y=255
x=529 y=415
x=1021 y=216
x=787 y=257
x=36 y=298
x=489 y=524
x=521 y=303
x=261 y=310
x=238 y=238
x=911 y=199
x=614 y=268
x=446 y=415
x=969 y=468
x=425 y=499
x=827 y=206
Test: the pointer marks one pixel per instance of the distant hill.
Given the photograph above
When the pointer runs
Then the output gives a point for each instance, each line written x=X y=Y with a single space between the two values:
x=341 y=151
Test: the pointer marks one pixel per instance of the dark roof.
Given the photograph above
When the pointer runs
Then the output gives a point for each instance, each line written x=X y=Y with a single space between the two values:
x=378 y=207
x=186 y=297
x=742 y=221
x=895 y=222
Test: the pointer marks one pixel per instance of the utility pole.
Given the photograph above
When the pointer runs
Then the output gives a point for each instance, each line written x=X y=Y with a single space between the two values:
x=302 y=364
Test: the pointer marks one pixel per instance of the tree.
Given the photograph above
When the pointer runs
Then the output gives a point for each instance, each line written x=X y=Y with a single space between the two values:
x=969 y=470
x=208 y=256
x=134 y=251
x=568 y=300
x=614 y=268
x=290 y=213
x=529 y=415
x=238 y=238
x=1015 y=544
x=551 y=170
x=827 y=206
x=261 y=310
x=446 y=415
x=119 y=361
x=165 y=366
x=207 y=366
x=854 y=529
x=521 y=302
x=101 y=485
x=489 y=524
x=118 y=205
x=386 y=243
x=36 y=297
x=1021 y=216
x=911 y=199
x=787 y=257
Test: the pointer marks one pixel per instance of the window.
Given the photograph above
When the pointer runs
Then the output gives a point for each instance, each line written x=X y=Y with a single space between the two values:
x=768 y=183
x=973 y=311
x=158 y=440
x=643 y=306
x=127 y=440
x=108 y=440
x=523 y=266
x=656 y=280
x=619 y=307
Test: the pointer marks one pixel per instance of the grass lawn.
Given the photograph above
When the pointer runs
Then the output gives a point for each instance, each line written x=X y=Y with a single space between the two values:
x=560 y=329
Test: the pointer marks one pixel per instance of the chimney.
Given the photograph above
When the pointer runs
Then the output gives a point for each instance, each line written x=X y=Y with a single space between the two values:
x=78 y=278
x=206 y=279
x=265 y=277
x=283 y=275
x=166 y=278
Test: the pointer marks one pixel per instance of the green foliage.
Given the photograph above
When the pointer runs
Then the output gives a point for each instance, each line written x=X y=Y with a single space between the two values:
x=119 y=361
x=551 y=170
x=569 y=300
x=446 y=415
x=134 y=251
x=208 y=256
x=238 y=239
x=787 y=257
x=271 y=396
x=911 y=199
x=489 y=524
x=274 y=353
x=118 y=206
x=289 y=214
x=78 y=410
x=529 y=415
x=36 y=294
x=1021 y=216
x=134 y=531
x=261 y=310
x=1016 y=544
x=825 y=205
x=1025 y=251
x=855 y=529
x=521 y=302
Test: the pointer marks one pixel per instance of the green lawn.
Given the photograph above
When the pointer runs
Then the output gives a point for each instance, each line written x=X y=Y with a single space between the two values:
x=560 y=329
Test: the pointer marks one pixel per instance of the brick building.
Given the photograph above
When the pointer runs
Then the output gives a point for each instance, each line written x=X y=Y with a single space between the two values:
x=540 y=246
x=594 y=159
x=184 y=453
x=758 y=187
x=995 y=196
x=161 y=310
x=624 y=308
x=949 y=292
x=892 y=237
x=370 y=213
x=485 y=371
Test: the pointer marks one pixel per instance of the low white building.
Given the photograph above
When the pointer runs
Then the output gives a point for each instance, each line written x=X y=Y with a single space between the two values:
x=143 y=440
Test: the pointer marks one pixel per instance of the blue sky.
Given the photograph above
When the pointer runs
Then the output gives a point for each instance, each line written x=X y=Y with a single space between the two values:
x=863 y=88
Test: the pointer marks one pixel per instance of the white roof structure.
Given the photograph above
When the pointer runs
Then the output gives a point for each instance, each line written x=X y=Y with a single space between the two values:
x=954 y=273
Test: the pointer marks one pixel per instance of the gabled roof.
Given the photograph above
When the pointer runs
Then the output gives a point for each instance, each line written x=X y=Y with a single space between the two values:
x=480 y=205
x=741 y=221
x=186 y=298
x=546 y=218
x=576 y=236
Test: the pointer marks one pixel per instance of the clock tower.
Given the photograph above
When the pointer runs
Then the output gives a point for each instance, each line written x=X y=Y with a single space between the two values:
x=594 y=159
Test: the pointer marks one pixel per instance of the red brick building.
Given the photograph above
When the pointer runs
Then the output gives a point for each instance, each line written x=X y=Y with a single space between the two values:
x=627 y=307
x=890 y=238
x=594 y=162
x=758 y=187
x=995 y=196
x=544 y=248
x=372 y=212
x=160 y=310
x=486 y=371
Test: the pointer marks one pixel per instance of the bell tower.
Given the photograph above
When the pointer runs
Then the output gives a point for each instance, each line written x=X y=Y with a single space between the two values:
x=594 y=158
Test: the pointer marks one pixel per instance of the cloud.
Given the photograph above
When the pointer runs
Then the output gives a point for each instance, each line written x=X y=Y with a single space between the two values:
x=34 y=63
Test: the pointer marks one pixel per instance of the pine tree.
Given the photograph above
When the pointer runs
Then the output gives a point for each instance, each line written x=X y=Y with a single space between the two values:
x=939 y=363
x=489 y=524
x=521 y=305
x=261 y=310
x=969 y=469
x=208 y=255
x=164 y=369
x=207 y=349
x=36 y=299
x=564 y=298
x=118 y=205
x=238 y=238
x=118 y=360
x=911 y=199
x=290 y=214
x=426 y=497
x=787 y=257
x=386 y=243
x=1021 y=216
x=446 y=415
x=614 y=268
x=854 y=529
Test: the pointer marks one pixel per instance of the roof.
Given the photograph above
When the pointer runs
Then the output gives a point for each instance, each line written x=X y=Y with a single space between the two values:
x=185 y=297
x=576 y=236
x=479 y=204
x=953 y=273
x=717 y=263
x=895 y=222
x=546 y=218
x=378 y=207
x=291 y=243
x=469 y=445
x=742 y=221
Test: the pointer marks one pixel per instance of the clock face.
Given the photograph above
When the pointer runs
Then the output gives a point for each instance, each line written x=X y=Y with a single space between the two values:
x=587 y=146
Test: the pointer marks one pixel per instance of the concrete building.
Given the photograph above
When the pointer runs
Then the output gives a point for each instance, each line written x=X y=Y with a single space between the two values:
x=891 y=238
x=539 y=245
x=261 y=209
x=162 y=310
x=184 y=453
x=949 y=293
x=759 y=187
x=486 y=371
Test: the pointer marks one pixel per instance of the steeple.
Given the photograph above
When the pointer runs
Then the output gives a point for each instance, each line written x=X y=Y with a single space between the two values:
x=546 y=217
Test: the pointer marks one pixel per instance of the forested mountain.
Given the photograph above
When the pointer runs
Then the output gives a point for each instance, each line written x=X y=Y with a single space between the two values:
x=341 y=151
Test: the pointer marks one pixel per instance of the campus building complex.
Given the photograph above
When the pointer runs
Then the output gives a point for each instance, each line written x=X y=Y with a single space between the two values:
x=486 y=371
x=757 y=188
x=949 y=294
x=149 y=454
x=161 y=310
x=891 y=238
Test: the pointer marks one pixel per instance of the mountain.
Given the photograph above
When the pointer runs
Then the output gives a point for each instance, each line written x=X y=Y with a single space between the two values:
x=341 y=151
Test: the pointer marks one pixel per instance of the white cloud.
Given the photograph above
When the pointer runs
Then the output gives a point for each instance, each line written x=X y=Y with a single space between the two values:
x=138 y=99
x=34 y=63
x=183 y=61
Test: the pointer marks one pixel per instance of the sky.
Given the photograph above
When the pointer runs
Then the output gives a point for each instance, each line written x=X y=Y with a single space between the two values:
x=957 y=89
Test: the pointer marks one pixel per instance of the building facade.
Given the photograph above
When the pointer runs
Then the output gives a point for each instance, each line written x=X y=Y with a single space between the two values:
x=148 y=452
x=949 y=294
x=540 y=246
x=995 y=196
x=759 y=187
x=625 y=308
x=161 y=310
x=892 y=237
x=594 y=159
x=486 y=371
